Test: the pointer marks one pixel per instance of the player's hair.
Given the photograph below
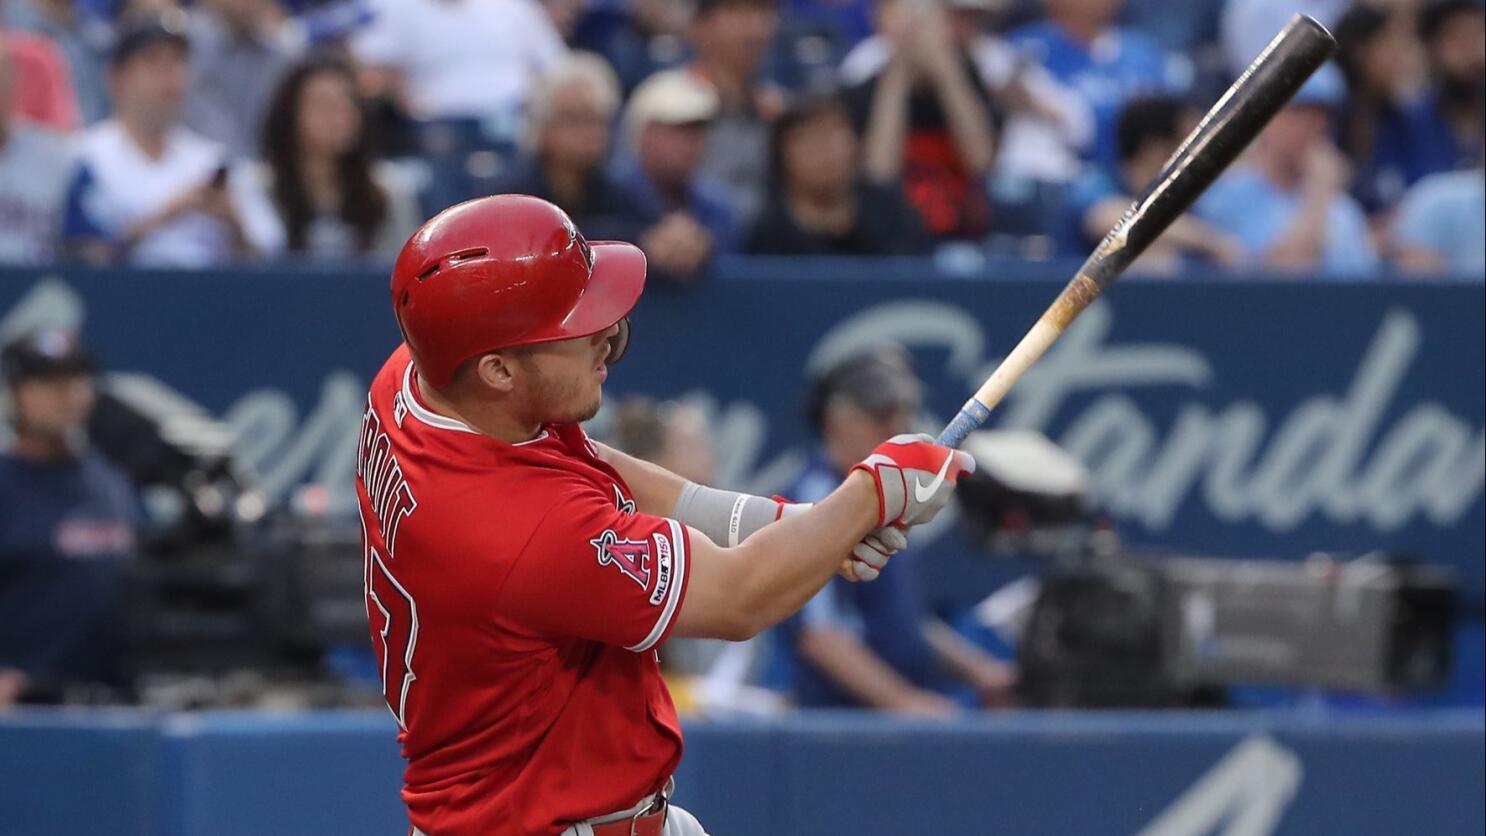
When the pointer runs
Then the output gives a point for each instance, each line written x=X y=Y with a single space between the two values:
x=363 y=203
x=579 y=68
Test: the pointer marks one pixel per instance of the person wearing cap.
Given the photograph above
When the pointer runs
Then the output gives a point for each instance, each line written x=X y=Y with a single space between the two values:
x=567 y=145
x=69 y=520
x=149 y=190
x=34 y=169
x=1287 y=202
x=873 y=645
x=688 y=217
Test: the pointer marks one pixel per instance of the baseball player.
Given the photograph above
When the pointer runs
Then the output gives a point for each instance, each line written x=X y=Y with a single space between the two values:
x=519 y=576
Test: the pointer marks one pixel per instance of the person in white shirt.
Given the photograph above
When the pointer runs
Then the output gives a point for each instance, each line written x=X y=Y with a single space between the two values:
x=445 y=59
x=34 y=167
x=148 y=190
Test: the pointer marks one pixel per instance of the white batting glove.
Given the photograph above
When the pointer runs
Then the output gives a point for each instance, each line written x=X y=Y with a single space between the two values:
x=870 y=556
x=914 y=477
x=867 y=557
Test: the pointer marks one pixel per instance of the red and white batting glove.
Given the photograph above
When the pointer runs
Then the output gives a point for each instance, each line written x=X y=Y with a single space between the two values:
x=914 y=476
x=867 y=557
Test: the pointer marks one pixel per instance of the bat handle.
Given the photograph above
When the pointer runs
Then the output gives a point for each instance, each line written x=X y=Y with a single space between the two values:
x=971 y=416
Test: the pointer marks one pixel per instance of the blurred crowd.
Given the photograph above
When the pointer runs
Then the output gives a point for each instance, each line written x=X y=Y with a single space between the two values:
x=203 y=132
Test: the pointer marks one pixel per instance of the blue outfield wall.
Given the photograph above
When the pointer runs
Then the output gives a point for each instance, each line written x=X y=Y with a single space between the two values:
x=327 y=773
x=1265 y=418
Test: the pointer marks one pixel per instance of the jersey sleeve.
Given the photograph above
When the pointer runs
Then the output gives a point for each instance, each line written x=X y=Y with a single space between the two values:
x=600 y=572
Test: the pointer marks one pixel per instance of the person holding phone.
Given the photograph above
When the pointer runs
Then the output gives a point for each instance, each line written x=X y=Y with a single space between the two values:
x=148 y=190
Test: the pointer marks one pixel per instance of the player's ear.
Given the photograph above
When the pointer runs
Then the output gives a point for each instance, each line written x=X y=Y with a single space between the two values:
x=495 y=371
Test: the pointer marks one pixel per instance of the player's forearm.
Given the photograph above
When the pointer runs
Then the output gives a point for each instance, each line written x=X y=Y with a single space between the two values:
x=783 y=565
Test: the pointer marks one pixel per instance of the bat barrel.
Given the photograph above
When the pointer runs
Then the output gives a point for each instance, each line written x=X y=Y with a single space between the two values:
x=1243 y=111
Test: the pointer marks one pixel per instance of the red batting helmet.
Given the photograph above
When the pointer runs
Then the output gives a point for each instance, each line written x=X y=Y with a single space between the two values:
x=502 y=271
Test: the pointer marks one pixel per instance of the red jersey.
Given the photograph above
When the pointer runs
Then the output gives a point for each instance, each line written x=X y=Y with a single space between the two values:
x=515 y=599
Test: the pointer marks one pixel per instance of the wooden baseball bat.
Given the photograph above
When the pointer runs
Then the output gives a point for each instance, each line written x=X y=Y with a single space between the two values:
x=1223 y=133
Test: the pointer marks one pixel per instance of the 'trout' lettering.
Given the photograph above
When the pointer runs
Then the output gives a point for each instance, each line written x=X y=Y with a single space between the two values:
x=379 y=472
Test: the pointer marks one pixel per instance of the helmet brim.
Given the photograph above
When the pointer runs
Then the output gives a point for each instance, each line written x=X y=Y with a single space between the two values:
x=614 y=286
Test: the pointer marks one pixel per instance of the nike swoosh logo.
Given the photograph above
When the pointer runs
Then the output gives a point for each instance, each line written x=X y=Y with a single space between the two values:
x=922 y=492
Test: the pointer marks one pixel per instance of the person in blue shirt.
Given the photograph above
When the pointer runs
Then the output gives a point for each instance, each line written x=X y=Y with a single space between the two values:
x=688 y=217
x=1080 y=44
x=1287 y=202
x=1439 y=225
x=872 y=644
x=68 y=524
x=1149 y=131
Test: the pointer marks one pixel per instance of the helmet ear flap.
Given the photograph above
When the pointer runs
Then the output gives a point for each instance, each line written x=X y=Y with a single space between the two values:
x=619 y=343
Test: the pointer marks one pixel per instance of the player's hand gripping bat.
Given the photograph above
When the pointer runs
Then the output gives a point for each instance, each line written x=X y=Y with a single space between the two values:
x=1226 y=130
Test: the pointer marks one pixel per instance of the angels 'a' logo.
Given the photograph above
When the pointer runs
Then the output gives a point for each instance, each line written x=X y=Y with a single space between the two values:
x=631 y=556
x=624 y=506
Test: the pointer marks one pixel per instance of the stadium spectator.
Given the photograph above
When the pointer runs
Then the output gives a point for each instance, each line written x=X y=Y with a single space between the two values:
x=1149 y=131
x=1439 y=227
x=1080 y=43
x=1045 y=123
x=730 y=39
x=672 y=434
x=83 y=41
x=649 y=37
x=567 y=147
x=819 y=202
x=332 y=198
x=450 y=59
x=1288 y=205
x=150 y=190
x=69 y=523
x=1247 y=26
x=687 y=216
x=1450 y=118
x=1381 y=61
x=34 y=167
x=240 y=48
x=43 y=87
x=926 y=119
x=872 y=644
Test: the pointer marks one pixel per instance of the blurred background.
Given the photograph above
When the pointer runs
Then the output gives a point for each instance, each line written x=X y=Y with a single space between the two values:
x=1220 y=569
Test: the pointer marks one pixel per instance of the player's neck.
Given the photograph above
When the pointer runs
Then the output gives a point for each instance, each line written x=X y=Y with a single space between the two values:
x=483 y=419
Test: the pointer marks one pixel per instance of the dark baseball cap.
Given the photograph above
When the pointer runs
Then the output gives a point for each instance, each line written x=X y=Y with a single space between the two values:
x=139 y=30
x=48 y=353
x=878 y=380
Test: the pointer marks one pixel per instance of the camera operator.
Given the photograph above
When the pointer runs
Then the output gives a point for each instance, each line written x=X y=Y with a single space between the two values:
x=67 y=528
